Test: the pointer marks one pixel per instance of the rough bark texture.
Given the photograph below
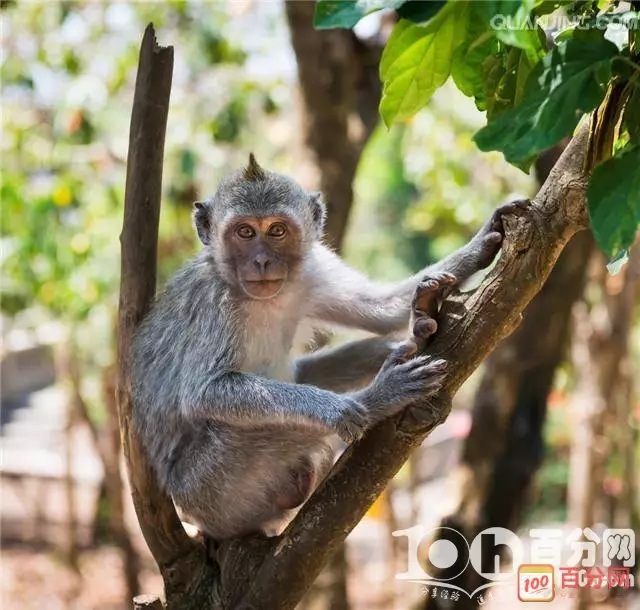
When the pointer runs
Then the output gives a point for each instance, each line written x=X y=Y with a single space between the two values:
x=275 y=573
x=510 y=409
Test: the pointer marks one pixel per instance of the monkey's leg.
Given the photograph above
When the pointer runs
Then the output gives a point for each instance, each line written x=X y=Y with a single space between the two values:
x=298 y=484
x=345 y=367
x=295 y=489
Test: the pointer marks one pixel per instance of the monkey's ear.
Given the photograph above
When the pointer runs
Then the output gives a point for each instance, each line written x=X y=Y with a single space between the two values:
x=318 y=210
x=253 y=171
x=202 y=221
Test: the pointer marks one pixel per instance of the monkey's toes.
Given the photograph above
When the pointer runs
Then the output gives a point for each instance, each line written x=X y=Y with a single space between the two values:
x=404 y=352
x=438 y=366
x=424 y=327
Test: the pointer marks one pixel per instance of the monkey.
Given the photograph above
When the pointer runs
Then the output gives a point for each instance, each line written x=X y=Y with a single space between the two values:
x=236 y=430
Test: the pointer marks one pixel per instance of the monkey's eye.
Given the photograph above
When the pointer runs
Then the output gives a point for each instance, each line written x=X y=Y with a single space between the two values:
x=278 y=230
x=245 y=232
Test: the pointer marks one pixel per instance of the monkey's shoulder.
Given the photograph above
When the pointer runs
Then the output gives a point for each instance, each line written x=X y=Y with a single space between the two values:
x=192 y=315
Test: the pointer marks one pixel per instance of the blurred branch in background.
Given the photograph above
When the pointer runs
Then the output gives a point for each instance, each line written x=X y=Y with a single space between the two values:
x=339 y=95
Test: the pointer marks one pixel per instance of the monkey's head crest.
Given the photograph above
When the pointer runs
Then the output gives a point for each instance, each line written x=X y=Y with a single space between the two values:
x=253 y=172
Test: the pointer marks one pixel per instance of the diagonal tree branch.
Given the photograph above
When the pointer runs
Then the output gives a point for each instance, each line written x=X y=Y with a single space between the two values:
x=471 y=326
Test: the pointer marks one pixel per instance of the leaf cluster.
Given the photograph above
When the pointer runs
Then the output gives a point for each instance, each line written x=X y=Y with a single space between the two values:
x=534 y=78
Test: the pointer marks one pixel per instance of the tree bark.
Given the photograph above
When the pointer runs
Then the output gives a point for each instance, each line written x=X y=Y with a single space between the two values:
x=510 y=409
x=274 y=573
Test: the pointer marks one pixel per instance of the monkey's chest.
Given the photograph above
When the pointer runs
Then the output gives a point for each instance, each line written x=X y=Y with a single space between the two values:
x=267 y=352
x=273 y=365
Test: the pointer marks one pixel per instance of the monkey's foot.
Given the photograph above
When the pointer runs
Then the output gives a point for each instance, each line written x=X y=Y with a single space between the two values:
x=425 y=304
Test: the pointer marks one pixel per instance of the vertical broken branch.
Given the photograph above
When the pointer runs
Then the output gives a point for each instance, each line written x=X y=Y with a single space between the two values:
x=172 y=549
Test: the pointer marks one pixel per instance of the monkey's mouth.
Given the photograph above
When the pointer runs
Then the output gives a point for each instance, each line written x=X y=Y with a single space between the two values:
x=262 y=289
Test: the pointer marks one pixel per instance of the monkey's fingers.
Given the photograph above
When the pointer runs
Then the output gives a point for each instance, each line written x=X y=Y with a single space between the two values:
x=516 y=206
x=432 y=287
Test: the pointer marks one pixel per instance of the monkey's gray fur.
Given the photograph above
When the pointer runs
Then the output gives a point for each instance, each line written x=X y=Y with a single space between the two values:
x=227 y=419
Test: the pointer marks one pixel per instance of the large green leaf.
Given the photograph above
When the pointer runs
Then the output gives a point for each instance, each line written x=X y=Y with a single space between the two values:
x=346 y=13
x=417 y=60
x=569 y=81
x=614 y=200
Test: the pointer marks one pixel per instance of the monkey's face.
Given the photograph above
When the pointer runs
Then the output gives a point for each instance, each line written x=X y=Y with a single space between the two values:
x=262 y=253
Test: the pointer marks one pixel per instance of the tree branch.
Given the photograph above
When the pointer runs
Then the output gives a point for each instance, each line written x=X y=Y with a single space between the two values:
x=471 y=325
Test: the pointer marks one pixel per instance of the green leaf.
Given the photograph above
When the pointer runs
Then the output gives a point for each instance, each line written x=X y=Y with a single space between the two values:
x=467 y=68
x=346 y=13
x=568 y=82
x=494 y=68
x=417 y=60
x=506 y=76
x=613 y=198
x=513 y=24
x=631 y=116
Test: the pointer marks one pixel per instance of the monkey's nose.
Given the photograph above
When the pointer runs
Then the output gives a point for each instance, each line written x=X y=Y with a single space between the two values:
x=262 y=262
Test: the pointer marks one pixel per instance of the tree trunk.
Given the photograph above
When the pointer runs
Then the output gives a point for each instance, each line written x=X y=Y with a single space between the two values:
x=601 y=356
x=339 y=95
x=510 y=406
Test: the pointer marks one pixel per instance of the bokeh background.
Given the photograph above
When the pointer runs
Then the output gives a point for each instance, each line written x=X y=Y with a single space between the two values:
x=545 y=435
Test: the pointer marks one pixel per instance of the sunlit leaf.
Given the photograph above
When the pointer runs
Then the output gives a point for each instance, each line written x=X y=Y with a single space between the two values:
x=417 y=60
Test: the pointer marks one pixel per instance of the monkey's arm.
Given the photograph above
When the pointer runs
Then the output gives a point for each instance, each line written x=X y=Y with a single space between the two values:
x=344 y=296
x=247 y=399
x=345 y=367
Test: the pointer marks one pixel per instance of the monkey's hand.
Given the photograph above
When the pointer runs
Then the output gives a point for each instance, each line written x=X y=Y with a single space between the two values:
x=486 y=243
x=403 y=380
